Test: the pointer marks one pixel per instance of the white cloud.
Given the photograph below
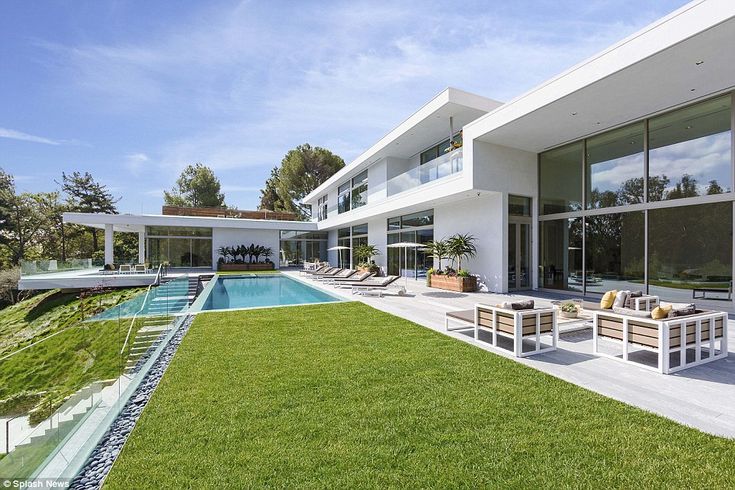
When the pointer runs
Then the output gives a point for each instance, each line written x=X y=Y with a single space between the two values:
x=19 y=135
x=135 y=162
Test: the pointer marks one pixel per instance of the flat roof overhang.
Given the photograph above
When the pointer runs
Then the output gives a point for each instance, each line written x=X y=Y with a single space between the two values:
x=682 y=58
x=137 y=223
x=421 y=130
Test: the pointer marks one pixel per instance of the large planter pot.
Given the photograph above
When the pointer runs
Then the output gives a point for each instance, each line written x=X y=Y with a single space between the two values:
x=459 y=284
x=245 y=267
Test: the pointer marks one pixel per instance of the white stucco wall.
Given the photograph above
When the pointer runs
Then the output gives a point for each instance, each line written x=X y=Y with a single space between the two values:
x=484 y=218
x=230 y=237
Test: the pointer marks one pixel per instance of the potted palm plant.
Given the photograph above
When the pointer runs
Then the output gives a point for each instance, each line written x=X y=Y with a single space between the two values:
x=457 y=248
x=364 y=255
x=233 y=258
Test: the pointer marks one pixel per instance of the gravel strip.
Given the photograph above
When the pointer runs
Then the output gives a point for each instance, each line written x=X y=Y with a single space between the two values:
x=104 y=455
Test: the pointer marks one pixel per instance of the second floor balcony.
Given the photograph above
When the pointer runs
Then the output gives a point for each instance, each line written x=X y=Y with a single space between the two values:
x=439 y=168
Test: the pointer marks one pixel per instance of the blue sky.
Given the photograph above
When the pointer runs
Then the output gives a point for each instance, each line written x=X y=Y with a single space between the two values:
x=132 y=91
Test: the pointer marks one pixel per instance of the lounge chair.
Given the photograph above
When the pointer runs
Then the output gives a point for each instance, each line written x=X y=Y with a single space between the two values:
x=342 y=274
x=356 y=278
x=332 y=271
x=704 y=330
x=518 y=325
x=140 y=269
x=379 y=287
x=125 y=269
x=320 y=270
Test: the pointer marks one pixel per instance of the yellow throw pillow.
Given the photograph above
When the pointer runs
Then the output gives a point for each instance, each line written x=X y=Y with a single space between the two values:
x=608 y=299
x=660 y=312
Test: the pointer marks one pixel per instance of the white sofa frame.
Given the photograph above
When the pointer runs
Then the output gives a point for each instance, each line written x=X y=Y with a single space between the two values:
x=664 y=348
x=517 y=336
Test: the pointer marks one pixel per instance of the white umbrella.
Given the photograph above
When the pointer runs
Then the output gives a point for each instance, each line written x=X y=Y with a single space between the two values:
x=339 y=248
x=406 y=246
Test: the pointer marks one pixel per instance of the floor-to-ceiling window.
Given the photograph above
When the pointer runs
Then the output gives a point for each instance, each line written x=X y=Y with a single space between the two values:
x=179 y=246
x=349 y=238
x=646 y=206
x=411 y=228
x=298 y=247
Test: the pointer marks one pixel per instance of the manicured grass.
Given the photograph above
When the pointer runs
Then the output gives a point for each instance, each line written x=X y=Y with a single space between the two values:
x=347 y=396
x=71 y=353
x=41 y=315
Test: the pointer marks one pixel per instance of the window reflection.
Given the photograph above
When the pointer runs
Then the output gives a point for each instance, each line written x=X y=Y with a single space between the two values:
x=690 y=151
x=615 y=168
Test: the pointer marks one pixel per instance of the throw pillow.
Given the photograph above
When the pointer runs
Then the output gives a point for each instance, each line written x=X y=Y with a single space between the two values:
x=607 y=299
x=522 y=305
x=620 y=299
x=660 y=312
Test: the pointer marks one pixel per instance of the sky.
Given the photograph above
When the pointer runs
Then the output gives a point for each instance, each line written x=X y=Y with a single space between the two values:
x=133 y=91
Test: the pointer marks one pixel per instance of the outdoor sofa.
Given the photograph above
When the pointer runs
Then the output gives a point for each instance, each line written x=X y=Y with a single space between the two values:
x=530 y=325
x=705 y=338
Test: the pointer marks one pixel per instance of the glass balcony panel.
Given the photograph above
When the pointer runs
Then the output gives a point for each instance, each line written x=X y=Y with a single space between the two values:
x=439 y=168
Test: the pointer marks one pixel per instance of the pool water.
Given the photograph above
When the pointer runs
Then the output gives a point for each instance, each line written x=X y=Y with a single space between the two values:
x=167 y=299
x=258 y=291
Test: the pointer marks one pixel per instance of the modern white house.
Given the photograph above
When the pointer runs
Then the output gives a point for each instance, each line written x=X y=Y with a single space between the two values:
x=619 y=172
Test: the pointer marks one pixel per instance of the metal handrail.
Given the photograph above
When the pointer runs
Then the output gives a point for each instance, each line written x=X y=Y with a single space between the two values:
x=142 y=307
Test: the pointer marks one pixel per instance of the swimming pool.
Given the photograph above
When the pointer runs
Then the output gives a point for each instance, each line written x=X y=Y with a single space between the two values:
x=231 y=292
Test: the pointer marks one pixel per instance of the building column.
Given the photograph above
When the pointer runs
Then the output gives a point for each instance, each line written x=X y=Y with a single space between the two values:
x=141 y=247
x=109 y=253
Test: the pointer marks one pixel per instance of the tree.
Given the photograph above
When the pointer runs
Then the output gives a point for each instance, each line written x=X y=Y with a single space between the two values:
x=27 y=214
x=85 y=195
x=714 y=188
x=302 y=170
x=269 y=194
x=197 y=186
x=687 y=187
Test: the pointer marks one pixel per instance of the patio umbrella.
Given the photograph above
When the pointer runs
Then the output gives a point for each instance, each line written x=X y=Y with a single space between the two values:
x=340 y=248
x=406 y=246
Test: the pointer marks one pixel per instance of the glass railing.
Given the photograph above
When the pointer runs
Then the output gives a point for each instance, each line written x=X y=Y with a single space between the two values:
x=444 y=166
x=61 y=391
x=31 y=267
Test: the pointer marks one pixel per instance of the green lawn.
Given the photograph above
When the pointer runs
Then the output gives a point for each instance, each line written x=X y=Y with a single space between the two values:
x=346 y=396
x=41 y=376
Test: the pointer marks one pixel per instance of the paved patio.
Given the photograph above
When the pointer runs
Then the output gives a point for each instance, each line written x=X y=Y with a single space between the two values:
x=701 y=397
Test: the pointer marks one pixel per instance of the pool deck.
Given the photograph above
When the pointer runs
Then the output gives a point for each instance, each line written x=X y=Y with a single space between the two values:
x=702 y=397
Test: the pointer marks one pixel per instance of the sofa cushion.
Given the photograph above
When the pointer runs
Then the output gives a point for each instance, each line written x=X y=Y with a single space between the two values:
x=660 y=312
x=607 y=299
x=689 y=309
x=631 y=312
x=522 y=305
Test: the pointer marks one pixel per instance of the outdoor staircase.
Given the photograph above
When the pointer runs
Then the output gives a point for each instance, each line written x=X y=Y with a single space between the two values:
x=65 y=418
x=150 y=336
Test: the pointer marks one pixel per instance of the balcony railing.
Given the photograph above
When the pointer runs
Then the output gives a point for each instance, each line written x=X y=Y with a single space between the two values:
x=31 y=267
x=444 y=166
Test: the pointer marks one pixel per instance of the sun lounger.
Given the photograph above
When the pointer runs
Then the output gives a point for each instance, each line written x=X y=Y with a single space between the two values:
x=353 y=279
x=518 y=325
x=140 y=269
x=375 y=287
x=332 y=271
x=316 y=271
x=342 y=274
x=125 y=269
